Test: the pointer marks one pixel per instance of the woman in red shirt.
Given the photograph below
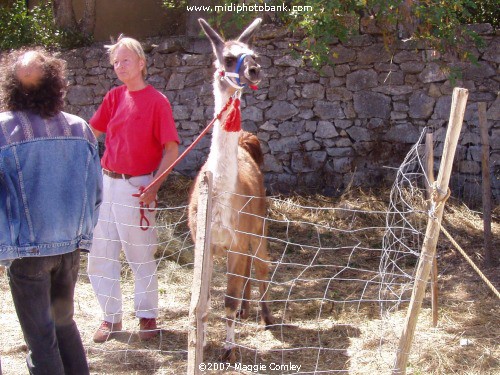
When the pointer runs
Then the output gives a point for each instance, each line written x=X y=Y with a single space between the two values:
x=141 y=142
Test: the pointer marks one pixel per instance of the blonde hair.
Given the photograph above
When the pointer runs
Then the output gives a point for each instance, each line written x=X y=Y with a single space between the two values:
x=131 y=44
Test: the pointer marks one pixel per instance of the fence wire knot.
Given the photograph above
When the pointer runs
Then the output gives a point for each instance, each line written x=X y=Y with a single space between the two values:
x=437 y=198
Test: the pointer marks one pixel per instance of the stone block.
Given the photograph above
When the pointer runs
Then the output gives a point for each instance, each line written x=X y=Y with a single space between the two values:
x=271 y=164
x=342 y=70
x=289 y=61
x=493 y=52
x=181 y=112
x=469 y=167
x=343 y=124
x=277 y=90
x=443 y=107
x=433 y=72
x=342 y=164
x=307 y=77
x=80 y=95
x=394 y=90
x=289 y=128
x=359 y=134
x=328 y=110
x=361 y=80
x=479 y=71
x=341 y=55
x=405 y=133
x=313 y=91
x=311 y=126
x=371 y=104
x=252 y=114
x=308 y=161
x=196 y=77
x=469 y=138
x=398 y=115
x=281 y=111
x=284 y=145
x=405 y=56
x=475 y=153
x=326 y=129
x=176 y=81
x=421 y=105
x=373 y=54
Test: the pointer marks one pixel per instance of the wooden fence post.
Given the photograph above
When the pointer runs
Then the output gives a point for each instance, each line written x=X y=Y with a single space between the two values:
x=429 y=172
x=485 y=165
x=201 y=276
x=458 y=103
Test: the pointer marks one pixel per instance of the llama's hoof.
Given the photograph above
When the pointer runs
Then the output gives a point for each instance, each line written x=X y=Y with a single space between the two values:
x=229 y=355
x=267 y=321
x=243 y=314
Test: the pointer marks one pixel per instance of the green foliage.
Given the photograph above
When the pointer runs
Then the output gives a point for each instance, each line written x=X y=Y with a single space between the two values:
x=20 y=27
x=322 y=23
x=484 y=11
x=175 y=4
x=437 y=23
x=440 y=24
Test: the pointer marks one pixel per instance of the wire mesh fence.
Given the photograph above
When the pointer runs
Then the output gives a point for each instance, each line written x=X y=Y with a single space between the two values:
x=341 y=274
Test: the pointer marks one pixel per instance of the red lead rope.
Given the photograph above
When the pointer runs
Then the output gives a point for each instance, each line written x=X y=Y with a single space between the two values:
x=190 y=147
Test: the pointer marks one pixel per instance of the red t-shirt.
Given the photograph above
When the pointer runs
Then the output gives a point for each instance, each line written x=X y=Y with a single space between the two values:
x=137 y=125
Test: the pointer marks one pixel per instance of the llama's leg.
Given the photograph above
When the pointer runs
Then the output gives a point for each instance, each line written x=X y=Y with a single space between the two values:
x=236 y=267
x=261 y=264
x=245 y=303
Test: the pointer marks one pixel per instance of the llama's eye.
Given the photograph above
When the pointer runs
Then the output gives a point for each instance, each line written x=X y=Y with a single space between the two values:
x=228 y=61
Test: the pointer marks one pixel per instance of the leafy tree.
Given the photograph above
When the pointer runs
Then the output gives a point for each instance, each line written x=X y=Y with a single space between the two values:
x=484 y=11
x=20 y=26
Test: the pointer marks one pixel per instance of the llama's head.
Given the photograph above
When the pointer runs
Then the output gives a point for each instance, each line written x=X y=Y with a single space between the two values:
x=236 y=61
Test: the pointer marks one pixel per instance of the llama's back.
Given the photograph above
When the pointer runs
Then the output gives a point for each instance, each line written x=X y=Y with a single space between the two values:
x=250 y=196
x=250 y=143
x=250 y=177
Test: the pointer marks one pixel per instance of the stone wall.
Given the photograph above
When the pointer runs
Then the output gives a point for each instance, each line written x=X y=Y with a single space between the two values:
x=350 y=123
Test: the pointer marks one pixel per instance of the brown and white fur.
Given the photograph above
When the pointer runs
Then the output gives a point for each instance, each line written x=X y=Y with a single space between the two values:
x=239 y=207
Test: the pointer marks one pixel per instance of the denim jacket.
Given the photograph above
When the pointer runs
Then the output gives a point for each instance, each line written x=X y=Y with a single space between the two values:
x=50 y=184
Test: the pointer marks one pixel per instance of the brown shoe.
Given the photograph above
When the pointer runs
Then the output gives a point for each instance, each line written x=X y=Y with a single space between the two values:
x=105 y=331
x=148 y=328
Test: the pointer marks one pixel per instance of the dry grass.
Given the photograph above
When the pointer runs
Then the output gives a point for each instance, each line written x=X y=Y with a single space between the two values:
x=318 y=313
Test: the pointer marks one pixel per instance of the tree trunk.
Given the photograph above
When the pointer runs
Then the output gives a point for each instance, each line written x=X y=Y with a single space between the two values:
x=192 y=25
x=407 y=19
x=64 y=16
x=87 y=23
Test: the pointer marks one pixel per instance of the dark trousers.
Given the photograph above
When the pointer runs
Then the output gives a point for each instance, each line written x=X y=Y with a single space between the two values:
x=43 y=289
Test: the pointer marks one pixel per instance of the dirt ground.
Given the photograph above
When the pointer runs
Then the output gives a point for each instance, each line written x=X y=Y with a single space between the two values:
x=326 y=311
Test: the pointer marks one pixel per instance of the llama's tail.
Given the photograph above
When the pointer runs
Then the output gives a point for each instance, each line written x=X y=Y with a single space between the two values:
x=251 y=144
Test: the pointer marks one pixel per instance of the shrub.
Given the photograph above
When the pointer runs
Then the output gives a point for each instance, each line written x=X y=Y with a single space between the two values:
x=20 y=26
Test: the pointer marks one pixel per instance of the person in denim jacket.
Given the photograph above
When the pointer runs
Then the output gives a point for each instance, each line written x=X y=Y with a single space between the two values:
x=50 y=193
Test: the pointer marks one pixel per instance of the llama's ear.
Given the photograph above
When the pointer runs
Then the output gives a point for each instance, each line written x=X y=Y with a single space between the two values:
x=216 y=39
x=249 y=31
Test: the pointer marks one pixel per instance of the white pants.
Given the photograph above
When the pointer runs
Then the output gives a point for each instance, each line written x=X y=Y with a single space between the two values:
x=119 y=228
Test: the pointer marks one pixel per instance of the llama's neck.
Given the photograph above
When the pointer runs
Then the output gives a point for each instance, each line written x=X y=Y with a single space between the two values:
x=223 y=157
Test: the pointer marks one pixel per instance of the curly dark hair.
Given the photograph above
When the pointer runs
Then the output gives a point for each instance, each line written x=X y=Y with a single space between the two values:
x=46 y=98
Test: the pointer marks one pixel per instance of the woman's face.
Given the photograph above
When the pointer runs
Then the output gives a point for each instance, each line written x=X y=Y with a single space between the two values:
x=128 y=65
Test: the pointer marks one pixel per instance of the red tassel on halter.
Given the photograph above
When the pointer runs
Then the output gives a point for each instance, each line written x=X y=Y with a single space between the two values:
x=233 y=119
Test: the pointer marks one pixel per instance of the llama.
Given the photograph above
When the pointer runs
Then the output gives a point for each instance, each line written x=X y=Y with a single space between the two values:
x=239 y=205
